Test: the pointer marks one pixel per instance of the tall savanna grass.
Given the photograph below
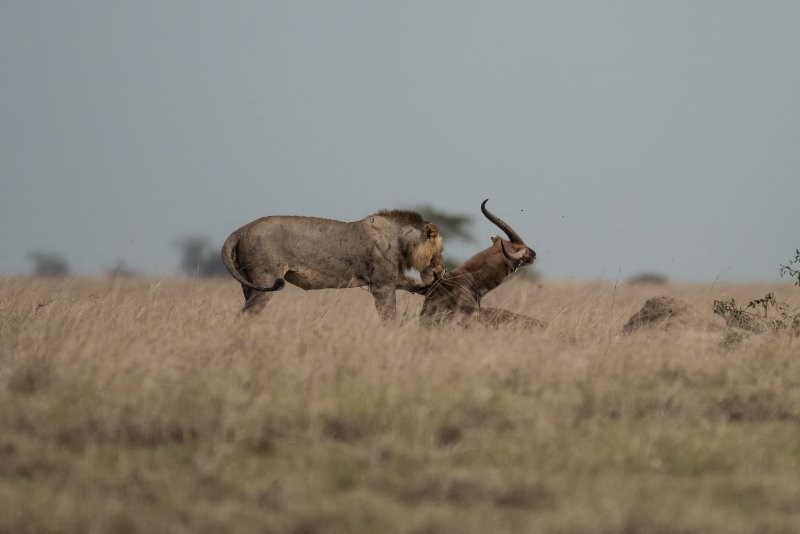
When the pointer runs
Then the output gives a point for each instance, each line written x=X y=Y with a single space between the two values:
x=151 y=406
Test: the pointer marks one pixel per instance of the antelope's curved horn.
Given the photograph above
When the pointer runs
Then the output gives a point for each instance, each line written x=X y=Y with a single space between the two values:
x=512 y=235
x=513 y=257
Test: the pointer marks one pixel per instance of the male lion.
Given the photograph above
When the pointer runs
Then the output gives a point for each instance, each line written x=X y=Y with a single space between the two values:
x=315 y=253
x=456 y=296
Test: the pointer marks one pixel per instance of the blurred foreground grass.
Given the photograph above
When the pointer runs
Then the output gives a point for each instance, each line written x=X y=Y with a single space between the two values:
x=149 y=406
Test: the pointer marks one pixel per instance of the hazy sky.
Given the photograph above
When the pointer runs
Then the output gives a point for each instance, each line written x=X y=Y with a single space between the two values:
x=641 y=135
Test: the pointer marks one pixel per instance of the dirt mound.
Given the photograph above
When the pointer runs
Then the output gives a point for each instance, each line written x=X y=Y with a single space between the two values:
x=666 y=313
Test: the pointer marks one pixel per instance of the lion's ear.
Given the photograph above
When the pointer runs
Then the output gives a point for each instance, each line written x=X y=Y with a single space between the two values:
x=431 y=231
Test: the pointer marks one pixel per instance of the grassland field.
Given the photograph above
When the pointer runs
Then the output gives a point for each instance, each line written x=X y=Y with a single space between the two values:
x=143 y=405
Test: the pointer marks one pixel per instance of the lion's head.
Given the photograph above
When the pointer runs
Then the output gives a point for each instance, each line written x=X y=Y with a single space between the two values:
x=426 y=254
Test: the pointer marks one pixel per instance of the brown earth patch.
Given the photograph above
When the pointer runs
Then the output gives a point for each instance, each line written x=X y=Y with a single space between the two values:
x=667 y=313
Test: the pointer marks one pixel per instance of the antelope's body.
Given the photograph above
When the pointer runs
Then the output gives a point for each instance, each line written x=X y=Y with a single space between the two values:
x=456 y=296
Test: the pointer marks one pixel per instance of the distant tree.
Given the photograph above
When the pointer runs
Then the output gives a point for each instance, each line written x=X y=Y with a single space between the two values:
x=200 y=258
x=451 y=225
x=50 y=264
x=648 y=278
x=121 y=270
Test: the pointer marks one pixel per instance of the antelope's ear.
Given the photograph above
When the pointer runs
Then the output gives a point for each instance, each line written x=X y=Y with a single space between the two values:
x=494 y=238
x=431 y=231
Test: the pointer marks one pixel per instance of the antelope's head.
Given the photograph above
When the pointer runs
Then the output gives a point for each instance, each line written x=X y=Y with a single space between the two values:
x=514 y=248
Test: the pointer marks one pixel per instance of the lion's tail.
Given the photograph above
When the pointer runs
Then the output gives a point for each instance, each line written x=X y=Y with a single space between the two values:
x=229 y=259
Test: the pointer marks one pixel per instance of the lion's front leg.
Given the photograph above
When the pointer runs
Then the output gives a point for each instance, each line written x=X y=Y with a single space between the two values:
x=382 y=283
x=385 y=301
x=413 y=285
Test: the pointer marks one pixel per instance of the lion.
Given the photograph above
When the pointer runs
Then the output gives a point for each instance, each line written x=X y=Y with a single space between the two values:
x=316 y=253
x=456 y=295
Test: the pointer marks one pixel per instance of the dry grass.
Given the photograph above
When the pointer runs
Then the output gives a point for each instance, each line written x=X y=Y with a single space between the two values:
x=146 y=406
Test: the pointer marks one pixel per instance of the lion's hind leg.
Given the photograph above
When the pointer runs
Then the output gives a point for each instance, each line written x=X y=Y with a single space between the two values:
x=254 y=300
